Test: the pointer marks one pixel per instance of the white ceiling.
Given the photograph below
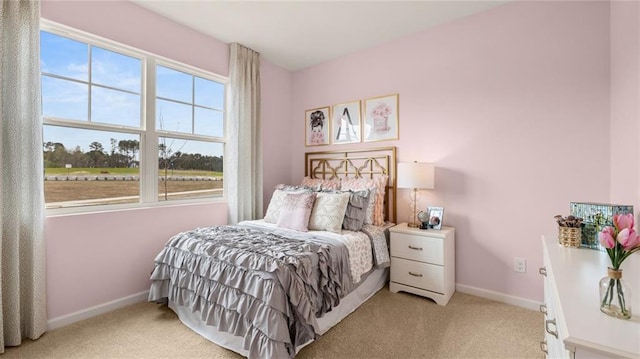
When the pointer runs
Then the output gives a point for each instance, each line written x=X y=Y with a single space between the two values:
x=297 y=34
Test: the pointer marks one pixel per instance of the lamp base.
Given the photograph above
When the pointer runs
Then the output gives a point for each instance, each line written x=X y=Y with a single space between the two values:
x=412 y=222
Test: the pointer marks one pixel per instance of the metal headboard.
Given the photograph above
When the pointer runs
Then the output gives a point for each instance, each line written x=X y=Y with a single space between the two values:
x=362 y=163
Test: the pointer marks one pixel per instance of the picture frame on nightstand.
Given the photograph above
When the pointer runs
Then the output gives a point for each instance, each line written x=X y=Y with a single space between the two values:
x=436 y=215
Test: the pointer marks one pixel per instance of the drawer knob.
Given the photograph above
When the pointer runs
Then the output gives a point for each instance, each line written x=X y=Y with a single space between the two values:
x=415 y=274
x=543 y=347
x=543 y=309
x=415 y=248
x=553 y=332
x=543 y=271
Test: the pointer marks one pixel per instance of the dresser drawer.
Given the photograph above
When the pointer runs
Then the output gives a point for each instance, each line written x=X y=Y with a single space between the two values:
x=423 y=249
x=421 y=275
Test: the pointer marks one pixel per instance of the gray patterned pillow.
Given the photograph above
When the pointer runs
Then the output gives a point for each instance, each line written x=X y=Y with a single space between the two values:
x=356 y=212
x=376 y=202
x=328 y=211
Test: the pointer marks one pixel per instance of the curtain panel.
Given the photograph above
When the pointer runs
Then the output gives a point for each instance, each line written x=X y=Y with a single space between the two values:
x=22 y=250
x=243 y=171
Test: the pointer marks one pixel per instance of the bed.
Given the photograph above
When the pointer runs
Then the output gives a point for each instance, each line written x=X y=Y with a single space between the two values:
x=268 y=287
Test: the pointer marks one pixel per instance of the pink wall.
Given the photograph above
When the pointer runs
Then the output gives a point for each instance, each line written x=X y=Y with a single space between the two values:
x=99 y=257
x=498 y=101
x=96 y=258
x=512 y=105
x=625 y=103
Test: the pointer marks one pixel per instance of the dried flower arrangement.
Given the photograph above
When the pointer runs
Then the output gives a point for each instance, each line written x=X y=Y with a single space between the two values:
x=569 y=221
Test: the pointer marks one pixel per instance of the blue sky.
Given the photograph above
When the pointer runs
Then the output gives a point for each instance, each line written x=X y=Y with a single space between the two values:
x=68 y=99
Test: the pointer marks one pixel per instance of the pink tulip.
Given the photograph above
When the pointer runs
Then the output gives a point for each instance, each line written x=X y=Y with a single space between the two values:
x=628 y=238
x=622 y=221
x=606 y=237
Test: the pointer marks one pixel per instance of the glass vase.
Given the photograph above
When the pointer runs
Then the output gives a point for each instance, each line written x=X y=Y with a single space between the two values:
x=615 y=295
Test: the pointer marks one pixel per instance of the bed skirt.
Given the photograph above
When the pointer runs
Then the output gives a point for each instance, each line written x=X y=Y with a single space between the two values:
x=374 y=282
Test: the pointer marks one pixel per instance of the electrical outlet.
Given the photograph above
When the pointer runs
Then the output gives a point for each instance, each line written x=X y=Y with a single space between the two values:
x=520 y=265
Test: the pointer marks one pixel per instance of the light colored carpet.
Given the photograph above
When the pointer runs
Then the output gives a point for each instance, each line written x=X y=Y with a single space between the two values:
x=389 y=325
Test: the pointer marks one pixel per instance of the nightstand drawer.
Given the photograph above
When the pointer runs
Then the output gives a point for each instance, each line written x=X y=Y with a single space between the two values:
x=418 y=248
x=421 y=275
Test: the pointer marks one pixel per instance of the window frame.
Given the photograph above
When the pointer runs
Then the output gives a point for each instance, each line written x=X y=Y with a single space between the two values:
x=149 y=134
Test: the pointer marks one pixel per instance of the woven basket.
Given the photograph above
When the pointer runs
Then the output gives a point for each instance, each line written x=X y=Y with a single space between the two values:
x=569 y=236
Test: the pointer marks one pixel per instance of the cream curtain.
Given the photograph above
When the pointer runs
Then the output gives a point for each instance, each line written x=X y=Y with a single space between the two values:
x=243 y=171
x=22 y=250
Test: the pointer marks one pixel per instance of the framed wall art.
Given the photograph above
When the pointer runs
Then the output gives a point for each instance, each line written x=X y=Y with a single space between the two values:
x=381 y=118
x=345 y=126
x=316 y=126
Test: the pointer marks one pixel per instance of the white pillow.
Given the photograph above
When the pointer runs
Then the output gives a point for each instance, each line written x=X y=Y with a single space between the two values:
x=277 y=199
x=328 y=211
x=296 y=210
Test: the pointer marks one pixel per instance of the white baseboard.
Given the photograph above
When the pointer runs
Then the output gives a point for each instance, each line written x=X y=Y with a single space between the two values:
x=499 y=297
x=97 y=310
x=142 y=296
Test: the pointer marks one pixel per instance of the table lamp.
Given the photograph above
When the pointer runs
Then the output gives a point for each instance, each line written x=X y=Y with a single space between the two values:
x=415 y=175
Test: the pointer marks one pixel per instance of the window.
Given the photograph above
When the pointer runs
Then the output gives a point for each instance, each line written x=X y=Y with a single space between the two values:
x=124 y=126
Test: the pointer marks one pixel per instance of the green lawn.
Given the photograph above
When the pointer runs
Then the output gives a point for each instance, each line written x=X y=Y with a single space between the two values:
x=123 y=171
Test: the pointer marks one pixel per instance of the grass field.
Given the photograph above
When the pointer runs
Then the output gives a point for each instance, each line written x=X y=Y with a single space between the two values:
x=111 y=192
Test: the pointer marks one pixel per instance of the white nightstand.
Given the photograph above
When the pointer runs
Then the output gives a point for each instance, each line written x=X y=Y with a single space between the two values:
x=423 y=262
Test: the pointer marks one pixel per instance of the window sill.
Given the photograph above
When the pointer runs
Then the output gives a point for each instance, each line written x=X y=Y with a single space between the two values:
x=57 y=212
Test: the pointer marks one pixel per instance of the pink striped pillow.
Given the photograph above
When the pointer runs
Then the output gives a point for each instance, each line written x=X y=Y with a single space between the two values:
x=322 y=183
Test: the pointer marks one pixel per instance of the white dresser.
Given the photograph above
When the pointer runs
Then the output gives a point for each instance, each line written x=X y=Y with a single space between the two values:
x=423 y=262
x=574 y=325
